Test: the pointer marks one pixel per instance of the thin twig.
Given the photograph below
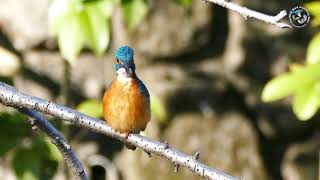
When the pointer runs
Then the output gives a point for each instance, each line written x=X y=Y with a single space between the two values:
x=12 y=97
x=245 y=12
x=67 y=102
x=57 y=139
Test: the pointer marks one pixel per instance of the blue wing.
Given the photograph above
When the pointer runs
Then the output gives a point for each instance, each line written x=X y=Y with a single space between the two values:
x=144 y=90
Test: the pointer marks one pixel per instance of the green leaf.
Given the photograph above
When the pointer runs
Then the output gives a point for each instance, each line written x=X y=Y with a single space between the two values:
x=79 y=21
x=26 y=164
x=44 y=148
x=37 y=161
x=185 y=3
x=7 y=80
x=280 y=87
x=315 y=21
x=134 y=11
x=13 y=127
x=104 y=6
x=58 y=10
x=294 y=67
x=95 y=28
x=313 y=8
x=288 y=83
x=53 y=152
x=90 y=1
x=306 y=102
x=91 y=108
x=70 y=37
x=26 y=161
x=313 y=51
x=158 y=109
x=49 y=156
x=64 y=20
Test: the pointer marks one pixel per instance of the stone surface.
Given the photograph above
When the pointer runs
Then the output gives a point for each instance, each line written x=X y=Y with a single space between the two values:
x=171 y=29
x=227 y=143
x=9 y=63
x=6 y=172
x=32 y=88
x=25 y=22
x=301 y=161
x=87 y=74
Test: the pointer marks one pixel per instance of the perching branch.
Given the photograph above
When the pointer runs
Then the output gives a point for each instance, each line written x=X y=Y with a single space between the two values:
x=12 y=97
x=40 y=122
x=245 y=12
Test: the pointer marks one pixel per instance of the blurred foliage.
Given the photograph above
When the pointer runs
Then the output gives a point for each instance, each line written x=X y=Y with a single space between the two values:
x=87 y=22
x=36 y=161
x=6 y=80
x=91 y=108
x=314 y=8
x=77 y=22
x=26 y=164
x=185 y=3
x=34 y=158
x=39 y=161
x=313 y=51
x=134 y=11
x=13 y=128
x=158 y=109
x=302 y=82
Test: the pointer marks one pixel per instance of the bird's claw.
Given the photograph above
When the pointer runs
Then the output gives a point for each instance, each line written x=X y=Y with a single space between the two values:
x=126 y=135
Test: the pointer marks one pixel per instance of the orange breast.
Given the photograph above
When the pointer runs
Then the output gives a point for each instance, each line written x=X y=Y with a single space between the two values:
x=125 y=108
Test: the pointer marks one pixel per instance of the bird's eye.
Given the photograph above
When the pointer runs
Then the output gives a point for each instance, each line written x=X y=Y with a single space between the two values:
x=117 y=60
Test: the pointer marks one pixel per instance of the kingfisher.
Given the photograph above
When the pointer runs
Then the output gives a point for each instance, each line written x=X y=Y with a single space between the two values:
x=126 y=102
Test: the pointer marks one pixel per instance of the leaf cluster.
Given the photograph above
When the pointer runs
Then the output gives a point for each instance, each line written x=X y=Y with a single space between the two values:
x=303 y=81
x=87 y=23
x=32 y=158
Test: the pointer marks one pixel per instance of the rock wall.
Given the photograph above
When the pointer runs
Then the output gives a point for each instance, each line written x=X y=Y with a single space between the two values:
x=207 y=65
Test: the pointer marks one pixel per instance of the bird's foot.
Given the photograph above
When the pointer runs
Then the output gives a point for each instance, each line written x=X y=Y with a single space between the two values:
x=148 y=153
x=126 y=135
x=127 y=144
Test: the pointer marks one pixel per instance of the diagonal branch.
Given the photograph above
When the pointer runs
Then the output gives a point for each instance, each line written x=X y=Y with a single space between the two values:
x=12 y=97
x=245 y=12
x=57 y=139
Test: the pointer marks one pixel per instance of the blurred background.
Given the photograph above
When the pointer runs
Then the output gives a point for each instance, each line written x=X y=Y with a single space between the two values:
x=204 y=66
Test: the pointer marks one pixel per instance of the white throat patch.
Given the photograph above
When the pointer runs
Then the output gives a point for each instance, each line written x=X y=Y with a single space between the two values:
x=123 y=76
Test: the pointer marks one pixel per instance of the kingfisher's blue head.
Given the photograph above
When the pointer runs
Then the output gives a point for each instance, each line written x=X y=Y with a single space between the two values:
x=124 y=56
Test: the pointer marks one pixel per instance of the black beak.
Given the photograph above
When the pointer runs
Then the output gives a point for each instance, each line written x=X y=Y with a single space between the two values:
x=125 y=66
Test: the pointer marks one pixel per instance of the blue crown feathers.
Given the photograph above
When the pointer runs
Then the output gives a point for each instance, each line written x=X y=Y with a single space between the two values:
x=124 y=53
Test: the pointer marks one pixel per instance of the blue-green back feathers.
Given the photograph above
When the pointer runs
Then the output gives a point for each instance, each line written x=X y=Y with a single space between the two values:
x=144 y=91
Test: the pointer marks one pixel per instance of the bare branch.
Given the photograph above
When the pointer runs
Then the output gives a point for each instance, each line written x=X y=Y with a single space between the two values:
x=245 y=12
x=12 y=97
x=39 y=121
